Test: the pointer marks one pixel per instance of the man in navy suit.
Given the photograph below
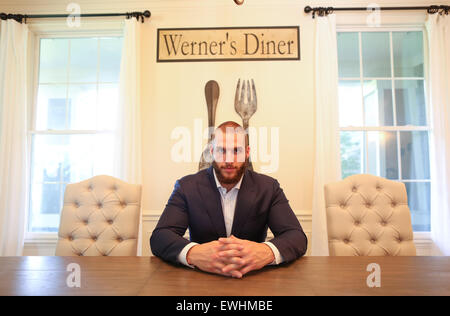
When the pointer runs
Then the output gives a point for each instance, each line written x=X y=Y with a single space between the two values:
x=228 y=209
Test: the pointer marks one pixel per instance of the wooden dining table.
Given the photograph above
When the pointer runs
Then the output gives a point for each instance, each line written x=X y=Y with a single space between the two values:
x=150 y=276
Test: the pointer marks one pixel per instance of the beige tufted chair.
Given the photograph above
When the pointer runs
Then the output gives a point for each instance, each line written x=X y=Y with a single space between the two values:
x=100 y=217
x=368 y=216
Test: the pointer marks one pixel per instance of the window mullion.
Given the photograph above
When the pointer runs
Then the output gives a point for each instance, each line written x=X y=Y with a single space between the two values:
x=361 y=80
x=97 y=85
x=361 y=76
x=61 y=176
x=68 y=85
x=394 y=108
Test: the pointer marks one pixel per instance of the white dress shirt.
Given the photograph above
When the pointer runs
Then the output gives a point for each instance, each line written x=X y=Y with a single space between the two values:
x=228 y=200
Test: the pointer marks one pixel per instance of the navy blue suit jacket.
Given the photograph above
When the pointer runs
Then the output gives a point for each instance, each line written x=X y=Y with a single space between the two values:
x=195 y=204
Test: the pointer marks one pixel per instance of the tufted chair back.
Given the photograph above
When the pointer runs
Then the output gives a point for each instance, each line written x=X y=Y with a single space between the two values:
x=100 y=217
x=368 y=216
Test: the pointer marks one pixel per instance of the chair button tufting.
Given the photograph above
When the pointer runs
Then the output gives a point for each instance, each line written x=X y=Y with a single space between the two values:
x=119 y=239
x=110 y=222
x=342 y=205
x=373 y=240
x=354 y=189
x=346 y=241
x=357 y=223
x=383 y=223
x=94 y=238
x=393 y=204
x=70 y=238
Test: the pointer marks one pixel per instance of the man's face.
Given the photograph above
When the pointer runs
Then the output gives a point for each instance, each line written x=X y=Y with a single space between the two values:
x=230 y=155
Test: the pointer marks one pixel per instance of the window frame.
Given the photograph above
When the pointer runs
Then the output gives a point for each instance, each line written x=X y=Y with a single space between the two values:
x=50 y=237
x=421 y=236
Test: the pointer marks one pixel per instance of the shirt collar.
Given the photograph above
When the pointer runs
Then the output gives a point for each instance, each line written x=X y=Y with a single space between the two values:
x=237 y=186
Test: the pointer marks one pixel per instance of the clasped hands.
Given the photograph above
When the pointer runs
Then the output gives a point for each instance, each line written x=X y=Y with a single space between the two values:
x=230 y=256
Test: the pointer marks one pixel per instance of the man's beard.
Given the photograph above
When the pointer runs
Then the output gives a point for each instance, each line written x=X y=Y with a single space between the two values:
x=239 y=172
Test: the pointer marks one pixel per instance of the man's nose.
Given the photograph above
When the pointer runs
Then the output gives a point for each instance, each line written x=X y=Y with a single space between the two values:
x=230 y=158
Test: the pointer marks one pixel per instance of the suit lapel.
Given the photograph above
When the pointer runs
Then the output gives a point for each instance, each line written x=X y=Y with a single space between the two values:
x=211 y=199
x=244 y=204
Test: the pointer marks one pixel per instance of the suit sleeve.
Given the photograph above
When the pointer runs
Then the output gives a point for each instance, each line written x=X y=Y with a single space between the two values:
x=167 y=239
x=289 y=237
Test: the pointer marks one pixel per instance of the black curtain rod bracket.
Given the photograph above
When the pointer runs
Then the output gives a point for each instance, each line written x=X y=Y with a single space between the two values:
x=324 y=11
x=22 y=18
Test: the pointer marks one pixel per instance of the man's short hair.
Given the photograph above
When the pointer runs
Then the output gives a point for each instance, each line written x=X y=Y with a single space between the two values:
x=228 y=127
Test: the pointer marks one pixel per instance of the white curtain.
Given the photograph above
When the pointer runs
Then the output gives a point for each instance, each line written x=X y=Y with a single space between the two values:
x=438 y=31
x=128 y=152
x=327 y=153
x=13 y=136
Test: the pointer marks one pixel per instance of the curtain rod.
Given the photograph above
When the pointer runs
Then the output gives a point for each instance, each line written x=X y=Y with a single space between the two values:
x=323 y=11
x=23 y=17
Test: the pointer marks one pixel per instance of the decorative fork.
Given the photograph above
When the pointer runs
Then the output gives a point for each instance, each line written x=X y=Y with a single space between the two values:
x=246 y=104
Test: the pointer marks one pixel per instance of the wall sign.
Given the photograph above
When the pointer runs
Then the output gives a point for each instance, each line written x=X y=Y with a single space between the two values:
x=228 y=44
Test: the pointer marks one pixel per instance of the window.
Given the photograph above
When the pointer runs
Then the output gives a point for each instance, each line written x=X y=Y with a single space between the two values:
x=383 y=119
x=74 y=118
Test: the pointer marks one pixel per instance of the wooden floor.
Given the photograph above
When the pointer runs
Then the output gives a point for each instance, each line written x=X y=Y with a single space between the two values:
x=151 y=276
